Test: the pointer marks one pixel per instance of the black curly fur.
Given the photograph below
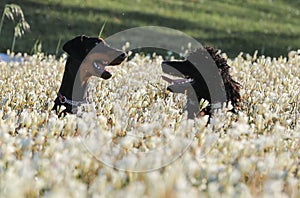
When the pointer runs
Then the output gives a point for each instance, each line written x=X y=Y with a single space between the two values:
x=232 y=87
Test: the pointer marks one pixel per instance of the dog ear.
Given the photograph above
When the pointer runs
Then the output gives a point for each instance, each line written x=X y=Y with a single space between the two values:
x=75 y=47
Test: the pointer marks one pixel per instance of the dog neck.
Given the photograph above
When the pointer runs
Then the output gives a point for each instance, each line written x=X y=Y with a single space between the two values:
x=73 y=87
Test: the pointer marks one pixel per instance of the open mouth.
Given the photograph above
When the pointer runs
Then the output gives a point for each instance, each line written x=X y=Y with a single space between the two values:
x=182 y=81
x=179 y=82
x=178 y=85
x=100 y=69
x=99 y=66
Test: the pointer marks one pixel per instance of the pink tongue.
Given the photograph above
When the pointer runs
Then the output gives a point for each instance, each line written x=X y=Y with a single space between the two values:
x=169 y=80
x=177 y=81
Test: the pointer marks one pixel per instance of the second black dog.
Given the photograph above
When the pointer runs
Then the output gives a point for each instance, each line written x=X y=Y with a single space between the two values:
x=205 y=75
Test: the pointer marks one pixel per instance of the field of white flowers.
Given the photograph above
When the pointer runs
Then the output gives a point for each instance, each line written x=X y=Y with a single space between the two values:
x=253 y=154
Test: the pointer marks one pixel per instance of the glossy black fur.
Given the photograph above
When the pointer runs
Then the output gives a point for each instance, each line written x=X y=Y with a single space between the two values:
x=77 y=49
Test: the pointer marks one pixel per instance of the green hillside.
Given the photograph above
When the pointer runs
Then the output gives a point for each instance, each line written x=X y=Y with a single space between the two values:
x=272 y=27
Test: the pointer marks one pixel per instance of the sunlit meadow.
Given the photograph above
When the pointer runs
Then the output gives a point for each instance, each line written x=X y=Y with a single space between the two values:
x=252 y=154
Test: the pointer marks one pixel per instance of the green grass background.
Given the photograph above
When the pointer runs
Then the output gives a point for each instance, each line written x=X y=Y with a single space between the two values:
x=271 y=27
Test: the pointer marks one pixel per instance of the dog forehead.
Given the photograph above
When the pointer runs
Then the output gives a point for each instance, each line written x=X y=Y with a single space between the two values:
x=97 y=44
x=91 y=41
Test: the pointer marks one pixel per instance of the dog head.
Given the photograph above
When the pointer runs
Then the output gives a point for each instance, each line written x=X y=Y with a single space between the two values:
x=186 y=73
x=189 y=78
x=94 y=54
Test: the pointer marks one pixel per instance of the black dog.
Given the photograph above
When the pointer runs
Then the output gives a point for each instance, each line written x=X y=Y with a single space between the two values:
x=205 y=76
x=87 y=57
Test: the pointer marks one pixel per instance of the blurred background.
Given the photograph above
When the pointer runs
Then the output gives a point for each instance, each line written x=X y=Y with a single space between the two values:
x=270 y=26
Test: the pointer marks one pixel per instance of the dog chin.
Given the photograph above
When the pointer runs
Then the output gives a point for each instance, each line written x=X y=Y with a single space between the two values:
x=105 y=75
x=100 y=71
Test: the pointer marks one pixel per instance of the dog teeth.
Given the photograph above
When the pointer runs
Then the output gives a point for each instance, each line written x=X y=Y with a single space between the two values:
x=177 y=81
x=189 y=80
x=183 y=82
x=98 y=67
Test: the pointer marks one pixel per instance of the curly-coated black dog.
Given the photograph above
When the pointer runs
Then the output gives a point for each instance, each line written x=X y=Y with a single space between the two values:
x=205 y=76
x=88 y=56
